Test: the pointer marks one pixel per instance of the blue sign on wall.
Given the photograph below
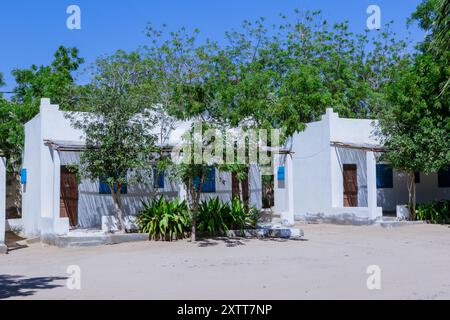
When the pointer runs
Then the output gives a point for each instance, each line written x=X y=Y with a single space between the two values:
x=23 y=176
x=280 y=174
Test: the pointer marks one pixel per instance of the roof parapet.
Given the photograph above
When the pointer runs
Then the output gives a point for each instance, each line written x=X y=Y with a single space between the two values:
x=46 y=105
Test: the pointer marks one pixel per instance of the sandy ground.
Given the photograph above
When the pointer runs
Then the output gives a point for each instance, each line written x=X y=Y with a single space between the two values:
x=331 y=263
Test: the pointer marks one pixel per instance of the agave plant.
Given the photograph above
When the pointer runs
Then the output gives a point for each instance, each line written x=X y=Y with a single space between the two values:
x=211 y=217
x=216 y=216
x=164 y=219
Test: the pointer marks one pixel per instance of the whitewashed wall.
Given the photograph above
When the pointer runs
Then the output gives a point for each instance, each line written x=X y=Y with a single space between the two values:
x=41 y=194
x=40 y=204
x=426 y=191
x=317 y=169
x=92 y=205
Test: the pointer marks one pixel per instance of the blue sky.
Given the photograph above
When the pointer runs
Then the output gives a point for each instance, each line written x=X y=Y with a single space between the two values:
x=32 y=30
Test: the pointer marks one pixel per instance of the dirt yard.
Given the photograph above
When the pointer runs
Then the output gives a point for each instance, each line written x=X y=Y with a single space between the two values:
x=330 y=263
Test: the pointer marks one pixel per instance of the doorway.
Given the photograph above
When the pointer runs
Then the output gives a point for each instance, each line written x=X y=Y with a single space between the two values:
x=69 y=196
x=350 y=173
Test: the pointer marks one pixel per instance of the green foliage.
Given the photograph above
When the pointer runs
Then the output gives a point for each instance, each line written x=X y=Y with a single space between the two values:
x=54 y=81
x=415 y=120
x=164 y=219
x=211 y=217
x=216 y=217
x=118 y=128
x=436 y=212
x=2 y=82
x=12 y=117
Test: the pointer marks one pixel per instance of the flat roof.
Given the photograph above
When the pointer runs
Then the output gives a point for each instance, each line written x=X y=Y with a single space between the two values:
x=65 y=145
x=74 y=146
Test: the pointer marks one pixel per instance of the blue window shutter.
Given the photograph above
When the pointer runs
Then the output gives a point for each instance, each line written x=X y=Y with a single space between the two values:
x=444 y=178
x=159 y=179
x=104 y=187
x=385 y=176
x=280 y=174
x=210 y=181
x=209 y=186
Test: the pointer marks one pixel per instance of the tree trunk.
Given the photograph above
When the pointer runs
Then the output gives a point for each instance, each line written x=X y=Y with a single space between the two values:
x=412 y=196
x=118 y=208
x=195 y=203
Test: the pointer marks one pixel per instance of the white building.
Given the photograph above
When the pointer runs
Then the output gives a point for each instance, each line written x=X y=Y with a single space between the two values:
x=53 y=202
x=3 y=248
x=333 y=174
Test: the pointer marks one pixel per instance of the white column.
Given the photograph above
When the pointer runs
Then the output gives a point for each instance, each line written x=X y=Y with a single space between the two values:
x=288 y=216
x=371 y=184
x=60 y=226
x=3 y=248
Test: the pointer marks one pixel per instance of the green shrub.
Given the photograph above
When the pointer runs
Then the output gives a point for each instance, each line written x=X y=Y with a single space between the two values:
x=216 y=216
x=435 y=212
x=212 y=216
x=164 y=219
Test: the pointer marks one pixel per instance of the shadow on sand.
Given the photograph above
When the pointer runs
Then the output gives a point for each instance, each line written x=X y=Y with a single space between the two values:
x=235 y=242
x=19 y=286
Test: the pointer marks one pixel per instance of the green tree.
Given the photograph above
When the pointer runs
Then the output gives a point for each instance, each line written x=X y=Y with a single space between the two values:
x=415 y=121
x=54 y=81
x=118 y=128
x=2 y=81
x=31 y=85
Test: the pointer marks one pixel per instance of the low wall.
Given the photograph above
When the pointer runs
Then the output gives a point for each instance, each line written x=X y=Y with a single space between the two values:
x=343 y=216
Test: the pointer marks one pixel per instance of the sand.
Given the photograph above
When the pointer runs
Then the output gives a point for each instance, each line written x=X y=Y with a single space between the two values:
x=330 y=263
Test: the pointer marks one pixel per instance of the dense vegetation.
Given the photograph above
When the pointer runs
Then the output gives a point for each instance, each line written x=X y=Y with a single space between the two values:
x=435 y=212
x=169 y=220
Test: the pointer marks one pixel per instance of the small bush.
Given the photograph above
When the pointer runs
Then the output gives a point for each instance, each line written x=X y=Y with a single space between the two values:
x=435 y=212
x=216 y=216
x=164 y=219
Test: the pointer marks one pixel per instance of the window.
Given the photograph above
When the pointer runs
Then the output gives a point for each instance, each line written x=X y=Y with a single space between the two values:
x=158 y=180
x=444 y=178
x=417 y=177
x=104 y=187
x=385 y=177
x=209 y=186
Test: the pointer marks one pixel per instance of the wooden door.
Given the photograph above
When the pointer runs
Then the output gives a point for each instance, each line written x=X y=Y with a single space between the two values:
x=350 y=185
x=69 y=196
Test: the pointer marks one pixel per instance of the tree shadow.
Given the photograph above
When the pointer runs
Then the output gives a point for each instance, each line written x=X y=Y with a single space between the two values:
x=19 y=286
x=230 y=242
x=284 y=239
x=236 y=241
